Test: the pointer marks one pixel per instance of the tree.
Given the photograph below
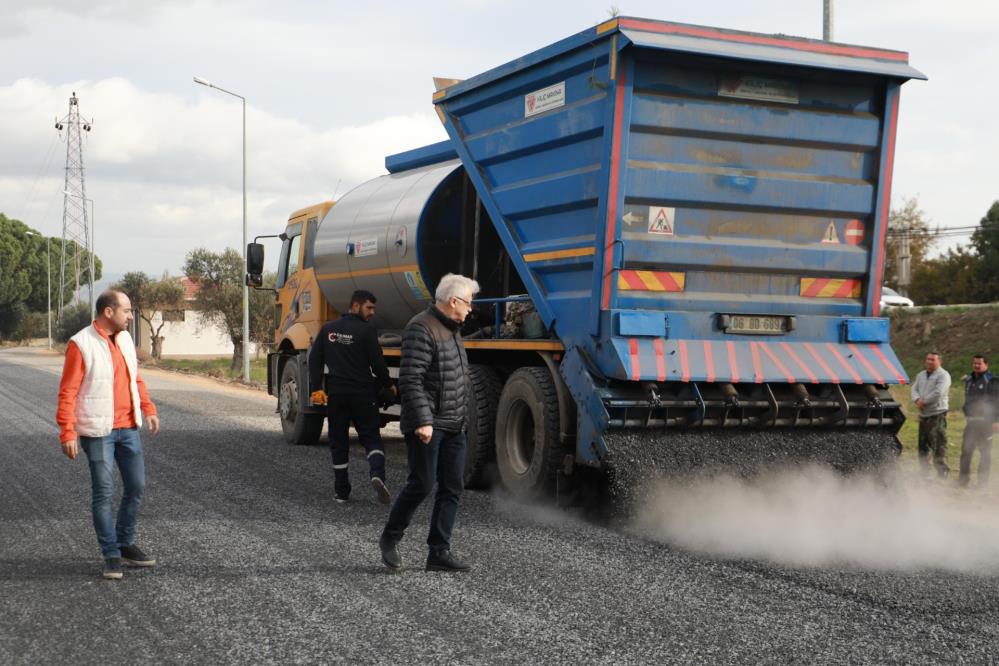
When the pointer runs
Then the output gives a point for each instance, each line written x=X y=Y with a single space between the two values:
x=985 y=240
x=219 y=276
x=909 y=219
x=948 y=279
x=149 y=297
x=74 y=318
x=24 y=266
x=262 y=320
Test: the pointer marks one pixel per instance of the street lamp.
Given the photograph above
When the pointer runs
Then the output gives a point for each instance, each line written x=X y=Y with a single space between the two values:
x=246 y=288
x=48 y=271
x=90 y=261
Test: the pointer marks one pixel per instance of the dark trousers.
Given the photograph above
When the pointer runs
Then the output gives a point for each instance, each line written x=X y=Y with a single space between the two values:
x=443 y=460
x=933 y=439
x=362 y=411
x=977 y=437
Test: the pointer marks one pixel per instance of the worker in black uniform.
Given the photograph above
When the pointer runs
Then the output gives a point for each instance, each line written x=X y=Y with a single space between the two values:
x=981 y=411
x=349 y=348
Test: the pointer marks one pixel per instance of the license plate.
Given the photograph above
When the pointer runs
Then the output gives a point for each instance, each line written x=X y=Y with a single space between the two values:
x=757 y=325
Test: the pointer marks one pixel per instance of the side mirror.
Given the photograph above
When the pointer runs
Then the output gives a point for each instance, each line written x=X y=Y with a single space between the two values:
x=254 y=264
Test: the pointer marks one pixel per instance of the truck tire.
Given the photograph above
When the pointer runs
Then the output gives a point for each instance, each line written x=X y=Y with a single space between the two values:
x=484 y=390
x=528 y=449
x=299 y=428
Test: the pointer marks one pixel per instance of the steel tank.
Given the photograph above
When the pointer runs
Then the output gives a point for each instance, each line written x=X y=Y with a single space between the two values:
x=378 y=235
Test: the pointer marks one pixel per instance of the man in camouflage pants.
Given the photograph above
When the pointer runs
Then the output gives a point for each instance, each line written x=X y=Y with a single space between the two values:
x=931 y=394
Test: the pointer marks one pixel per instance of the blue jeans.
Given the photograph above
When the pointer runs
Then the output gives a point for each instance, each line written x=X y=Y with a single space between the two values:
x=443 y=460
x=123 y=447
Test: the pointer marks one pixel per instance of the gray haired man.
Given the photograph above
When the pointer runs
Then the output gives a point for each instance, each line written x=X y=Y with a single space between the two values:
x=931 y=393
x=432 y=375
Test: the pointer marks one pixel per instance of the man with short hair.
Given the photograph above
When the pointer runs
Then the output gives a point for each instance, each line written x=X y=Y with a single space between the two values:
x=349 y=347
x=102 y=400
x=432 y=386
x=931 y=394
x=981 y=412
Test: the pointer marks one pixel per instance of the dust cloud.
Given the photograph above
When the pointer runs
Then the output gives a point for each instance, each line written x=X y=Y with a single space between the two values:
x=814 y=517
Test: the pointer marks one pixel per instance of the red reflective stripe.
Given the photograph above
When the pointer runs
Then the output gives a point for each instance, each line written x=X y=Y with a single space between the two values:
x=733 y=361
x=780 y=366
x=844 y=363
x=888 y=364
x=660 y=359
x=815 y=288
x=612 y=189
x=801 y=364
x=846 y=288
x=885 y=203
x=685 y=376
x=816 y=47
x=636 y=366
x=822 y=364
x=632 y=279
x=758 y=372
x=667 y=282
x=870 y=368
x=709 y=361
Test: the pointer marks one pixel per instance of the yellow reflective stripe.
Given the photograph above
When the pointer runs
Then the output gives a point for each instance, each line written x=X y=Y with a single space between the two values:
x=440 y=94
x=369 y=271
x=607 y=26
x=559 y=254
x=648 y=278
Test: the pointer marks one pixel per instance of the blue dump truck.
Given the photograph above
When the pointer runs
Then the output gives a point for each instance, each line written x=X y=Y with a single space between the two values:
x=680 y=236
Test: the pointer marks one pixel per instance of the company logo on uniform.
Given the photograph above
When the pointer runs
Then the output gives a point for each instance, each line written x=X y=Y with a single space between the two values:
x=340 y=338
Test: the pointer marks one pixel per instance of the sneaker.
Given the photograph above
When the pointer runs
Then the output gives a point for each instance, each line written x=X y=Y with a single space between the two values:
x=112 y=569
x=384 y=496
x=133 y=556
x=390 y=554
x=443 y=560
x=340 y=499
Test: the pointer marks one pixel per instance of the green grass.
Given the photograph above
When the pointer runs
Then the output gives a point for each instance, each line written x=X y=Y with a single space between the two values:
x=217 y=367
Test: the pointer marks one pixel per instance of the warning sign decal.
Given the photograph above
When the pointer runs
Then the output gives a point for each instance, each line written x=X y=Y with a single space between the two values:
x=830 y=236
x=661 y=220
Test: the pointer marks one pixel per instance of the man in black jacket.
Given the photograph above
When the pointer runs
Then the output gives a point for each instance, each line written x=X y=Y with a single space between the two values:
x=349 y=347
x=432 y=386
x=981 y=411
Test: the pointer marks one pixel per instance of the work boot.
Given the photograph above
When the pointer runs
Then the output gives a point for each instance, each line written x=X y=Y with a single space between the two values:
x=390 y=554
x=134 y=557
x=384 y=496
x=112 y=569
x=443 y=560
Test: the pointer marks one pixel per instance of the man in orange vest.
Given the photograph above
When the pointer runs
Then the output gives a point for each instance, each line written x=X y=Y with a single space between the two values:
x=101 y=396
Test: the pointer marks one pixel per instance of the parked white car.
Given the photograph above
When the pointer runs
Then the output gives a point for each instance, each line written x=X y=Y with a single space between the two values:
x=892 y=299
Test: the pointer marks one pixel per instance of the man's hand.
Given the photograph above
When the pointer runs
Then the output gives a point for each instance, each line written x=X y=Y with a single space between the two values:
x=154 y=424
x=425 y=433
x=920 y=404
x=69 y=448
x=319 y=397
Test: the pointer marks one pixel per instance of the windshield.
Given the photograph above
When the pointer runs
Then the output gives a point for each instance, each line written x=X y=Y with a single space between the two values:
x=887 y=291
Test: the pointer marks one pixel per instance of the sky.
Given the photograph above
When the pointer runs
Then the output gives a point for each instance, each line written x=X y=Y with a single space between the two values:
x=333 y=87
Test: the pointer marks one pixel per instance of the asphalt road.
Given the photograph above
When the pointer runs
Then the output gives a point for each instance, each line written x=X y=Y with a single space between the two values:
x=257 y=564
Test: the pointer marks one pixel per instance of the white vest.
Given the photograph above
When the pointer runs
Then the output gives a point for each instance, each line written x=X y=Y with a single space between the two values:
x=95 y=402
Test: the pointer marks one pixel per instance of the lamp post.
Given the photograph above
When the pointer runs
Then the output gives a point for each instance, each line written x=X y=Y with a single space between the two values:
x=246 y=288
x=90 y=261
x=48 y=271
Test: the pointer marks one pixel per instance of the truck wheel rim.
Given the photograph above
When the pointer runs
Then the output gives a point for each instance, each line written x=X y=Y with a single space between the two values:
x=288 y=393
x=520 y=437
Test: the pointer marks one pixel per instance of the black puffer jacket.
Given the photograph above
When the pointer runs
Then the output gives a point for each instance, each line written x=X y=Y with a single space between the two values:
x=432 y=373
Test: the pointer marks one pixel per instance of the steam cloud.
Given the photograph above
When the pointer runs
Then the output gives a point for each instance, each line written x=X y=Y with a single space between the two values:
x=815 y=517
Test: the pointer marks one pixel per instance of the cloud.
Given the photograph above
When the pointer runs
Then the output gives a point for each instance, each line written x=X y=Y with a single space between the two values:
x=165 y=171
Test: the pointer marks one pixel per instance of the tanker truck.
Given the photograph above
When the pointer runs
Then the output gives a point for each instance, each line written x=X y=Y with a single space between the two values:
x=679 y=232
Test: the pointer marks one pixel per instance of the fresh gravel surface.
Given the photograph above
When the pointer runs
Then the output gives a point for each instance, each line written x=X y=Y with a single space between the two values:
x=257 y=564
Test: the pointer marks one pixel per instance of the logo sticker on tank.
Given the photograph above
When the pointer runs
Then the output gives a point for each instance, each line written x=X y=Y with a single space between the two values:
x=540 y=101
x=365 y=247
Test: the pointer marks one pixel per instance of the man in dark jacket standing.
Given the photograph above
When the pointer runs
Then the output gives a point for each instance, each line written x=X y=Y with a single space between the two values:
x=349 y=347
x=981 y=411
x=432 y=386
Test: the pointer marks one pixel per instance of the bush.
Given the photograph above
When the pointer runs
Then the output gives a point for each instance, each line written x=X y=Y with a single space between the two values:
x=74 y=319
x=32 y=325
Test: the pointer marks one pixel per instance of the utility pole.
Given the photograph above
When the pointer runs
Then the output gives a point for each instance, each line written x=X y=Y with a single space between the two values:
x=904 y=262
x=77 y=242
x=827 y=20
